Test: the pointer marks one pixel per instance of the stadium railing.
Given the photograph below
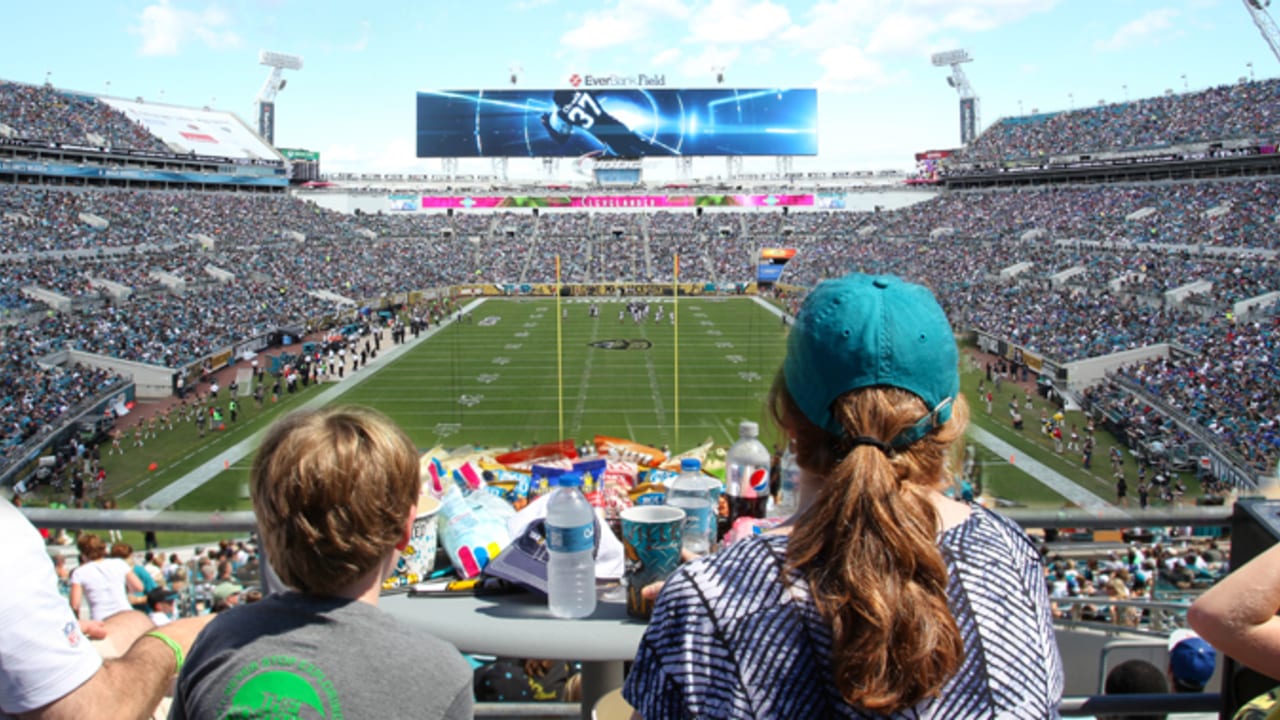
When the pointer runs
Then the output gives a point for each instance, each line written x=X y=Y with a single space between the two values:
x=241 y=522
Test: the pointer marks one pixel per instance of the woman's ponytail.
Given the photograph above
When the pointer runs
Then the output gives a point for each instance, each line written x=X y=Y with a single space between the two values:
x=867 y=545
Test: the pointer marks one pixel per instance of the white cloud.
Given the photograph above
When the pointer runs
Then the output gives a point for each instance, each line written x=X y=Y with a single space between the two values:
x=623 y=24
x=602 y=31
x=848 y=69
x=362 y=42
x=731 y=22
x=698 y=68
x=165 y=28
x=832 y=23
x=1149 y=27
x=980 y=15
x=899 y=33
x=667 y=57
x=835 y=22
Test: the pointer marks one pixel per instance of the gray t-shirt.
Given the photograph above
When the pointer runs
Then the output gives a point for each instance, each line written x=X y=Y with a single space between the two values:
x=297 y=656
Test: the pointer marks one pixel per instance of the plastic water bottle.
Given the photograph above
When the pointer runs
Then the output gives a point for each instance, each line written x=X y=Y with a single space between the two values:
x=571 y=535
x=788 y=487
x=746 y=475
x=690 y=492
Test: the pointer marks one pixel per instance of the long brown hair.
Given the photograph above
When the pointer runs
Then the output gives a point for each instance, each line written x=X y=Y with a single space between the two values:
x=867 y=545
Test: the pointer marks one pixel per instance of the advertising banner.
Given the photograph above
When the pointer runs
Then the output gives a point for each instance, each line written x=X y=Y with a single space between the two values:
x=267 y=121
x=203 y=132
x=403 y=203
x=772 y=262
x=614 y=201
x=24 y=167
x=616 y=122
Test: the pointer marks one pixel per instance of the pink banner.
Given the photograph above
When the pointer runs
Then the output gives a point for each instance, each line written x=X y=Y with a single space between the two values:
x=615 y=201
x=464 y=203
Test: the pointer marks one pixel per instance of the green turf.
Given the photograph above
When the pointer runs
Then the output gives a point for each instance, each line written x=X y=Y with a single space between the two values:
x=494 y=382
x=496 y=385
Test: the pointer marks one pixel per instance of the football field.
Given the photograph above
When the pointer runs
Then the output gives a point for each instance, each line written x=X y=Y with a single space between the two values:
x=526 y=371
x=509 y=375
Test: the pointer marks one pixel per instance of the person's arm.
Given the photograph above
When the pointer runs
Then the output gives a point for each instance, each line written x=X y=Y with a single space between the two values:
x=77 y=597
x=1238 y=615
x=132 y=685
x=133 y=583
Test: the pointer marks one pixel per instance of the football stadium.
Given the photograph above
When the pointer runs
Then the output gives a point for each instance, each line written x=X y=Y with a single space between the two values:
x=177 y=282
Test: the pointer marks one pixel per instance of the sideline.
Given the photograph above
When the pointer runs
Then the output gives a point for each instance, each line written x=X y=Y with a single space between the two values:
x=189 y=483
x=1047 y=476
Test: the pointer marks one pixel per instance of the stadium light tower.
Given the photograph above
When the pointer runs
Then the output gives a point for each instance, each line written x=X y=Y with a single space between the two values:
x=1258 y=11
x=278 y=62
x=968 y=98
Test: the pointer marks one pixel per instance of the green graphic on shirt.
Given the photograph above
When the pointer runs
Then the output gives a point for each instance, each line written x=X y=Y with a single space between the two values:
x=282 y=687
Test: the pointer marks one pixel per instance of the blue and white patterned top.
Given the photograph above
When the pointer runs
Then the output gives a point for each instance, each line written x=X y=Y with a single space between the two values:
x=728 y=640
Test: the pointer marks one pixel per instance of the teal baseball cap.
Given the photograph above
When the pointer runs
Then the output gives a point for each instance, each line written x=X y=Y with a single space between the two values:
x=863 y=331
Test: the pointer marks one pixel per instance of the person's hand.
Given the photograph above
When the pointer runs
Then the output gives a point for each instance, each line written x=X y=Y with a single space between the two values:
x=93 y=629
x=650 y=591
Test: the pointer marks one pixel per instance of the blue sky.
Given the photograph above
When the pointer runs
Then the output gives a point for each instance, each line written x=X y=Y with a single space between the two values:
x=879 y=98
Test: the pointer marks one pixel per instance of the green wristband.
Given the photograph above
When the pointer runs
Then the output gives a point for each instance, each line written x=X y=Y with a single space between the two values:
x=173 y=645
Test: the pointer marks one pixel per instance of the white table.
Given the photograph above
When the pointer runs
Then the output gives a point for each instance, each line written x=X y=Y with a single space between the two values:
x=518 y=625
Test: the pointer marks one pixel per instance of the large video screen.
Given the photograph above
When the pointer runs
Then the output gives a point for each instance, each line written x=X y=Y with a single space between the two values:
x=617 y=122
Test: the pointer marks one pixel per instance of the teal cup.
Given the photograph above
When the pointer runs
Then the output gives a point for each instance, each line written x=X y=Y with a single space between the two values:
x=651 y=538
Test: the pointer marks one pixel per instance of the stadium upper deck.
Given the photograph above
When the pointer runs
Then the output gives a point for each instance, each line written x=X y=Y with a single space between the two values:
x=1246 y=110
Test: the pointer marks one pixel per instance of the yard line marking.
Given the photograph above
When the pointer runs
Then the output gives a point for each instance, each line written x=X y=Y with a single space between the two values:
x=585 y=383
x=659 y=408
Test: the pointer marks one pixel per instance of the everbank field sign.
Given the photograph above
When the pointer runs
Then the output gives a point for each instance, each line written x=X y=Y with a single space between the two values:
x=616 y=80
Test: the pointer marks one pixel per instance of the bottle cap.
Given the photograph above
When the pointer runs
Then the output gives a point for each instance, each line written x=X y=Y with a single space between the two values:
x=748 y=429
x=691 y=465
x=570 y=479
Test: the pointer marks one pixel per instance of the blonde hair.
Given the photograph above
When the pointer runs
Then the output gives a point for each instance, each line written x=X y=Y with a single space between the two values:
x=332 y=490
x=867 y=545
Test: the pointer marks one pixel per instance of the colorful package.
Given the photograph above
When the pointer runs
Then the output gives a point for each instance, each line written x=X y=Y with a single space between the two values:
x=541 y=454
x=628 y=450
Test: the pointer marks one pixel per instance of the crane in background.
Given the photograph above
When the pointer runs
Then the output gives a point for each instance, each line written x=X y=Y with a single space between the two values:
x=1258 y=11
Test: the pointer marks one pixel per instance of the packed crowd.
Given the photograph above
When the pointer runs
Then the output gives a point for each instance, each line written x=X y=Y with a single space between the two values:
x=1247 y=110
x=50 y=114
x=1168 y=570
x=1228 y=388
x=1231 y=214
x=287 y=256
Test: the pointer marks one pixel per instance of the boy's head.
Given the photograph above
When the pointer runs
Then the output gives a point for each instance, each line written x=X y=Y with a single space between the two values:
x=333 y=490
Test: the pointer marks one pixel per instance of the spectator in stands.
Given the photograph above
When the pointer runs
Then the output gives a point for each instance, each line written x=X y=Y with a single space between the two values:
x=105 y=582
x=1135 y=677
x=1191 y=661
x=328 y=623
x=160 y=603
x=226 y=595
x=857 y=606
x=48 y=668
